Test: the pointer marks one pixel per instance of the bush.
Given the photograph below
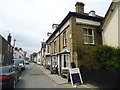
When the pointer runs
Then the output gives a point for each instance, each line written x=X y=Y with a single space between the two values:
x=103 y=57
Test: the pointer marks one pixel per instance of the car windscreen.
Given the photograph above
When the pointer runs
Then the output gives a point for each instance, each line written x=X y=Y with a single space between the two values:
x=18 y=61
x=4 y=69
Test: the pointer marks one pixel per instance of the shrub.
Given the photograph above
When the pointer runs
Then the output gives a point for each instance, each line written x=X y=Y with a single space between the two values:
x=103 y=57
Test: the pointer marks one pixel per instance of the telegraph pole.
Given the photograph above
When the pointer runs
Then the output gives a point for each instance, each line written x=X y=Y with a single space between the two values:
x=14 y=43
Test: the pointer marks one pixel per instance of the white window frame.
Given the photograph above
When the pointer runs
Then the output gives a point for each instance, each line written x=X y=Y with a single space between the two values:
x=67 y=56
x=87 y=35
x=64 y=39
x=55 y=47
x=48 y=48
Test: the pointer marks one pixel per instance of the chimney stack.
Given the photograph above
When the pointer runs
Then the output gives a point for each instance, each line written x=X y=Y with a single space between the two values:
x=9 y=38
x=79 y=7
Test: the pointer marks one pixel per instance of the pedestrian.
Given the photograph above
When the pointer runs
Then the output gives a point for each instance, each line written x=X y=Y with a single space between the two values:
x=55 y=69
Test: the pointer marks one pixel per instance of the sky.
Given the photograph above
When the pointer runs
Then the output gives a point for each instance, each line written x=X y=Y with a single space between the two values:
x=28 y=21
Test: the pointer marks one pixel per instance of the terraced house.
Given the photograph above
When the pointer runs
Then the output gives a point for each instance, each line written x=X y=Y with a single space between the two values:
x=6 y=50
x=78 y=32
x=111 y=25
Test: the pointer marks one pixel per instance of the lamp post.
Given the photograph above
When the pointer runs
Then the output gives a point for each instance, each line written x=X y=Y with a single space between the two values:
x=14 y=43
x=13 y=48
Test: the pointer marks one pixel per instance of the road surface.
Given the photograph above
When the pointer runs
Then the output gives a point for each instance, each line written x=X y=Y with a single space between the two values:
x=34 y=77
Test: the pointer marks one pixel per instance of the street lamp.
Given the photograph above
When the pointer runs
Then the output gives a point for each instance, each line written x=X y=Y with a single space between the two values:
x=14 y=43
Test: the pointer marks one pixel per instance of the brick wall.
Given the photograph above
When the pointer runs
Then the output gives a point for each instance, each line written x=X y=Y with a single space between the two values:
x=7 y=53
x=78 y=39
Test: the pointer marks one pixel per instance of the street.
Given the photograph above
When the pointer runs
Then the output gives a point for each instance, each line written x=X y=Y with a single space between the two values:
x=34 y=77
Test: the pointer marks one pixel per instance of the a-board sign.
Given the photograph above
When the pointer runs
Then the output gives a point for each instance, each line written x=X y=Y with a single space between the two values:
x=75 y=76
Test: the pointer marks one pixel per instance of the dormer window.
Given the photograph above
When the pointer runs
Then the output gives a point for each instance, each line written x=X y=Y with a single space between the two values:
x=92 y=13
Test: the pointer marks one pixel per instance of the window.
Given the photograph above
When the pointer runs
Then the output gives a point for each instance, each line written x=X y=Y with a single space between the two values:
x=11 y=49
x=65 y=59
x=88 y=36
x=54 y=61
x=8 y=47
x=64 y=39
x=66 y=62
x=55 y=47
x=48 y=49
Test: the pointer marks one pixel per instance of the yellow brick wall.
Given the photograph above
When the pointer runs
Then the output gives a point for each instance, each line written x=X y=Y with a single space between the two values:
x=76 y=41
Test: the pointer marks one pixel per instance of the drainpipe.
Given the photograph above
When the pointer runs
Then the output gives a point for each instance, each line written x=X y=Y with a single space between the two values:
x=51 y=65
x=60 y=68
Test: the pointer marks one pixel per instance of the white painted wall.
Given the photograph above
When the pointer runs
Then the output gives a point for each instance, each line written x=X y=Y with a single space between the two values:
x=119 y=24
x=38 y=58
x=18 y=54
x=110 y=31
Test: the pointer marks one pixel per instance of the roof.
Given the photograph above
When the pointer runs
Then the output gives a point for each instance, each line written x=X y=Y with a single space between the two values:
x=5 y=40
x=108 y=12
x=66 y=51
x=40 y=51
x=74 y=14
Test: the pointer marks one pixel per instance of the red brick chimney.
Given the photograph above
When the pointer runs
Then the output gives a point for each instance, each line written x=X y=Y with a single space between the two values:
x=9 y=38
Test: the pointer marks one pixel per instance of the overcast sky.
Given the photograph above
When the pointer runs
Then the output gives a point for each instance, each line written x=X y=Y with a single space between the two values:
x=28 y=21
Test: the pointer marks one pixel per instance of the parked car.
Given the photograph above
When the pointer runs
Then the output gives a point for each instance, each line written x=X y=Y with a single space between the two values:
x=17 y=67
x=26 y=62
x=20 y=63
x=9 y=75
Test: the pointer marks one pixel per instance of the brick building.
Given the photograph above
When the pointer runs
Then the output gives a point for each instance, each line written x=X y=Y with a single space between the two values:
x=77 y=32
x=6 y=51
x=19 y=53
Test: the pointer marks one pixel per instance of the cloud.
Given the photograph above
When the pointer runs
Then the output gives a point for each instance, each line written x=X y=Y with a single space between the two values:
x=29 y=20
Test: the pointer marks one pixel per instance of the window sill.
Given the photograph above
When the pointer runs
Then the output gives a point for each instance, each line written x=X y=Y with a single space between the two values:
x=89 y=44
x=64 y=46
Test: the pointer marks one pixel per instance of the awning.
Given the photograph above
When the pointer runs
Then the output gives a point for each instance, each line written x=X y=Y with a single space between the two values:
x=54 y=55
x=66 y=51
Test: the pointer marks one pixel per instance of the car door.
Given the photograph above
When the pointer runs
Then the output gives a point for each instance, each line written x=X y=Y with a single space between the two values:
x=13 y=73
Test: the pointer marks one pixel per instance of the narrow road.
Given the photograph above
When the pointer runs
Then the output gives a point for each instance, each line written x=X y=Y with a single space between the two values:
x=34 y=77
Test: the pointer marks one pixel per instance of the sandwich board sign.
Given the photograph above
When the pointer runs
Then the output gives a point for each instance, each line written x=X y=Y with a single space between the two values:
x=75 y=76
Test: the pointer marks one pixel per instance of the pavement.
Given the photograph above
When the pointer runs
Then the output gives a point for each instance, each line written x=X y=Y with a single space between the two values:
x=60 y=80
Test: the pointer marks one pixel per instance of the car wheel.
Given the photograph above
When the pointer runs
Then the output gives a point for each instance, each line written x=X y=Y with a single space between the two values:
x=18 y=78
x=13 y=84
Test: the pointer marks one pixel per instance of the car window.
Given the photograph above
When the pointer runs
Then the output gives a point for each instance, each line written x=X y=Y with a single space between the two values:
x=18 y=61
x=5 y=69
x=12 y=69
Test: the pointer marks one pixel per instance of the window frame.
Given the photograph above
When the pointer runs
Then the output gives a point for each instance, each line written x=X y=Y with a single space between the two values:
x=66 y=61
x=64 y=39
x=48 y=48
x=88 y=35
x=55 y=47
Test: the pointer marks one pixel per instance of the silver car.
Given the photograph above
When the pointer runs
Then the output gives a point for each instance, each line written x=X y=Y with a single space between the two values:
x=20 y=63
